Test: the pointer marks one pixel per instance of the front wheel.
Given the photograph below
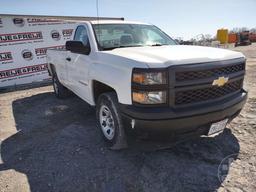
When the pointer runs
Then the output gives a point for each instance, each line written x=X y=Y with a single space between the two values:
x=109 y=121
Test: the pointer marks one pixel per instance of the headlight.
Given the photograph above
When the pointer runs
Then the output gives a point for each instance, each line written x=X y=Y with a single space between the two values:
x=149 y=78
x=149 y=97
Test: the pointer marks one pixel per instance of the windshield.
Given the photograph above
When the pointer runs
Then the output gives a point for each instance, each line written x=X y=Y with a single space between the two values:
x=111 y=36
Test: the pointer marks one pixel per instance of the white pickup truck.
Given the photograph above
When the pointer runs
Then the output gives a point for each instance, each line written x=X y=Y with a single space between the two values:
x=142 y=81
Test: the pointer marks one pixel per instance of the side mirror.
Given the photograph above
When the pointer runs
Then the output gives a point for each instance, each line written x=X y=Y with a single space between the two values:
x=78 y=47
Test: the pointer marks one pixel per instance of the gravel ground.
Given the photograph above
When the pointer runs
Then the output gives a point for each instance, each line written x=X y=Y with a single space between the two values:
x=53 y=145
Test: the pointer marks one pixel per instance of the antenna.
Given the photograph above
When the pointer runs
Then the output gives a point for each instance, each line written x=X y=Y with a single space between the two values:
x=97 y=8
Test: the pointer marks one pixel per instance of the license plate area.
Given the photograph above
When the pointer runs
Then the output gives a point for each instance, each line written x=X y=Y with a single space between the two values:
x=218 y=126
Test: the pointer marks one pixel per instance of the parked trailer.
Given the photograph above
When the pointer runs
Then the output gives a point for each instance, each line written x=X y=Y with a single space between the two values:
x=232 y=38
x=252 y=37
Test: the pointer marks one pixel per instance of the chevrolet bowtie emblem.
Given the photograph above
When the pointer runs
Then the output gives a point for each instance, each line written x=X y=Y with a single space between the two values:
x=220 y=81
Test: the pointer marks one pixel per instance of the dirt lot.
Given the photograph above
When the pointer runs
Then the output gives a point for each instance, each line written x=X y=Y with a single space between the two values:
x=53 y=145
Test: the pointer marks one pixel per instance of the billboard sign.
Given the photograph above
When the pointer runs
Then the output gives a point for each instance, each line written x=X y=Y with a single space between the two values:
x=23 y=45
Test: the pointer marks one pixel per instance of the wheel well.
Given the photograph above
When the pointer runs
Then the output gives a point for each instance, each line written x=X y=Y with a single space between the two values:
x=99 y=88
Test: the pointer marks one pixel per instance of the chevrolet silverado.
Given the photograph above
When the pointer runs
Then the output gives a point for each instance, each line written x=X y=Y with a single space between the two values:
x=140 y=80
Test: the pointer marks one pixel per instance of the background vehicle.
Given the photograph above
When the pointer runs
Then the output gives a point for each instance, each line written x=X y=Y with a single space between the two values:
x=140 y=80
x=243 y=38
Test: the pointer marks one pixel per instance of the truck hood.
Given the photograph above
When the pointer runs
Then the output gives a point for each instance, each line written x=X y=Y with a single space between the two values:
x=164 y=56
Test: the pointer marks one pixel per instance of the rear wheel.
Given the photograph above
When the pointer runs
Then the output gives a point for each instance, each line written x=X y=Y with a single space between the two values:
x=59 y=90
x=109 y=121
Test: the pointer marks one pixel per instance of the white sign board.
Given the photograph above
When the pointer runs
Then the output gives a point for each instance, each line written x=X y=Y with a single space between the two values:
x=23 y=45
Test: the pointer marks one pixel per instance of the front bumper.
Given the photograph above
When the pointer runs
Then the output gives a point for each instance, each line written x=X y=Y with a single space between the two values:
x=182 y=120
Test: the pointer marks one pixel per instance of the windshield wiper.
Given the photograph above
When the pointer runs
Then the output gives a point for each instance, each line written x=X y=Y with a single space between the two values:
x=124 y=46
x=121 y=46
x=157 y=44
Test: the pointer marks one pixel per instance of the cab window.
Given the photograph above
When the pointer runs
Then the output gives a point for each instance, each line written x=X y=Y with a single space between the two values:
x=82 y=35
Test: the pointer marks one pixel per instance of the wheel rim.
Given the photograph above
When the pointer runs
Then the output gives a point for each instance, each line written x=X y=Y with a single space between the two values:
x=107 y=122
x=55 y=86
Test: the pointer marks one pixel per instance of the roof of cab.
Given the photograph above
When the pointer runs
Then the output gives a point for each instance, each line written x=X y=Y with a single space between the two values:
x=116 y=22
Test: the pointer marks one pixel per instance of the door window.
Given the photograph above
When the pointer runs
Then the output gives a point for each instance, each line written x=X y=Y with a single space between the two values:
x=81 y=35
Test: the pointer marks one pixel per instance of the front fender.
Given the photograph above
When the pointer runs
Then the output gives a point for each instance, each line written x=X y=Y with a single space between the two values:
x=117 y=78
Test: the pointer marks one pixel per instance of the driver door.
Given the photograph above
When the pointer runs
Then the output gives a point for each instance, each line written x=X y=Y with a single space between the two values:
x=78 y=65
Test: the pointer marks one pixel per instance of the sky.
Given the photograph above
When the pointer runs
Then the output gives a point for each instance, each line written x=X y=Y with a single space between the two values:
x=178 y=18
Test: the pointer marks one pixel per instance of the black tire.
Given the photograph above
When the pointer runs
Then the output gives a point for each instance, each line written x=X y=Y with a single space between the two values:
x=117 y=140
x=60 y=91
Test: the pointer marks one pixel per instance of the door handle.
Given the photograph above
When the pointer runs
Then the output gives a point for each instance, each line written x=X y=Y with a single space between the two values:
x=68 y=59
